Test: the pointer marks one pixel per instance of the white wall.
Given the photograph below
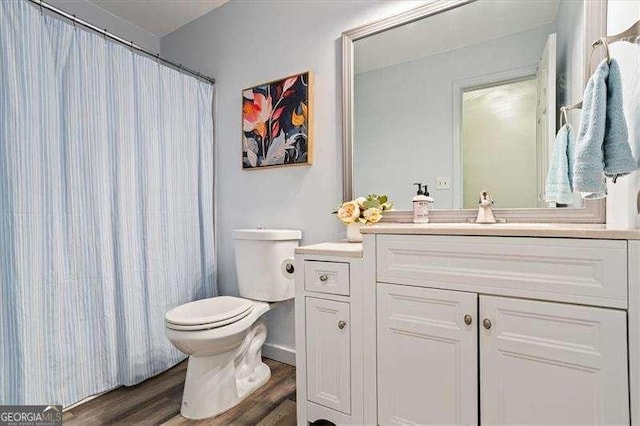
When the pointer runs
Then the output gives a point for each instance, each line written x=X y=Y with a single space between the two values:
x=621 y=202
x=244 y=43
x=103 y=19
x=570 y=27
x=570 y=57
x=404 y=114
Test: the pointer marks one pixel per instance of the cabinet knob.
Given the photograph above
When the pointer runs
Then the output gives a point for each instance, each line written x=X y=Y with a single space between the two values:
x=341 y=324
x=323 y=277
x=487 y=324
x=468 y=319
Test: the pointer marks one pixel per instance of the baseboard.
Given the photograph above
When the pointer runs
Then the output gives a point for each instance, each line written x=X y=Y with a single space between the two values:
x=87 y=399
x=279 y=353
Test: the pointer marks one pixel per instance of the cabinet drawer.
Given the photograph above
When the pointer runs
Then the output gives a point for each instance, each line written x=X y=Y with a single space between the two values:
x=592 y=272
x=326 y=277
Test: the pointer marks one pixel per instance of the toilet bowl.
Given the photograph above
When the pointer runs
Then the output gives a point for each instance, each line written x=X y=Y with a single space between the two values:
x=223 y=335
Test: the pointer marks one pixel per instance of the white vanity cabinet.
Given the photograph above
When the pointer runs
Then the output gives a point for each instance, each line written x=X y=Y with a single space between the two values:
x=328 y=353
x=552 y=363
x=427 y=356
x=329 y=333
x=541 y=363
x=500 y=330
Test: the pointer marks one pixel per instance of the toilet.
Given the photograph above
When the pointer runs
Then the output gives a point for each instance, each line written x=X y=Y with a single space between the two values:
x=223 y=335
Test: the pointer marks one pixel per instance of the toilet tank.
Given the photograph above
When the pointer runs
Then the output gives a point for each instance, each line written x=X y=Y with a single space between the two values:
x=263 y=257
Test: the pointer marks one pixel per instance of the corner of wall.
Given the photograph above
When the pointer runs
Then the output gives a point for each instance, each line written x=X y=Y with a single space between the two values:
x=101 y=18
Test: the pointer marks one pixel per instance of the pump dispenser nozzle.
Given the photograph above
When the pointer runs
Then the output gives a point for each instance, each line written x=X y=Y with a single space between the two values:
x=420 y=192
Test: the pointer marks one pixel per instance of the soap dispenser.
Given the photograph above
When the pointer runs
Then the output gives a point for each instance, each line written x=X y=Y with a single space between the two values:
x=429 y=197
x=421 y=206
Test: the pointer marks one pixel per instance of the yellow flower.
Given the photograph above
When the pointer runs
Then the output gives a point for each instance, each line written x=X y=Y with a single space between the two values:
x=299 y=119
x=372 y=215
x=360 y=201
x=349 y=212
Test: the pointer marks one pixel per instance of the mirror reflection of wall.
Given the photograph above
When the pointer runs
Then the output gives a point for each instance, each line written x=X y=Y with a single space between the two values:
x=465 y=95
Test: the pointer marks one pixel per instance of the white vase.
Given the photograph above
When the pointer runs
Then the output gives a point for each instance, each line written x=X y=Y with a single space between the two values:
x=353 y=232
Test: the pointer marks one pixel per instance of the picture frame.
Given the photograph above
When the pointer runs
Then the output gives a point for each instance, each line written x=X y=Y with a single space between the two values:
x=277 y=119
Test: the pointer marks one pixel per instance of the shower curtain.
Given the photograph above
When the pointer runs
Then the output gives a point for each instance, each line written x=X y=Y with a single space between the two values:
x=106 y=208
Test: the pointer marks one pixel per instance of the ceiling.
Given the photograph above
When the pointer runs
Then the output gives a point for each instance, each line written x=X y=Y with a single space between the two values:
x=470 y=24
x=159 y=17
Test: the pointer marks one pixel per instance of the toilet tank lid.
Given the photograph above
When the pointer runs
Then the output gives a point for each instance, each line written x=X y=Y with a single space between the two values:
x=267 y=234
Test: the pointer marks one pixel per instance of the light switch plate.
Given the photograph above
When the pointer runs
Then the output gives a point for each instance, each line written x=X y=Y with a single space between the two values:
x=443 y=182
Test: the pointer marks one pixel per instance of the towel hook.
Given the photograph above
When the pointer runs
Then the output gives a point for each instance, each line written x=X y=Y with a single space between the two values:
x=630 y=35
x=564 y=110
x=599 y=42
x=563 y=116
x=603 y=41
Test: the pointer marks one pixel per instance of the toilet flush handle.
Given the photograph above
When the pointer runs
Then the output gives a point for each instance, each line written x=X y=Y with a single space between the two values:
x=342 y=324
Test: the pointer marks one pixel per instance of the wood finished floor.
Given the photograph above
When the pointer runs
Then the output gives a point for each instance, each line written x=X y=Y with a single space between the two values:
x=157 y=401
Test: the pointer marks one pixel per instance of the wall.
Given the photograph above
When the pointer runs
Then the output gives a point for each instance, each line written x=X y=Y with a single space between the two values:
x=570 y=27
x=570 y=57
x=103 y=19
x=621 y=202
x=244 y=43
x=404 y=114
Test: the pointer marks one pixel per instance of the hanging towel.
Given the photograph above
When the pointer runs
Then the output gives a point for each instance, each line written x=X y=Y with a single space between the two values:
x=618 y=159
x=602 y=147
x=589 y=158
x=559 y=187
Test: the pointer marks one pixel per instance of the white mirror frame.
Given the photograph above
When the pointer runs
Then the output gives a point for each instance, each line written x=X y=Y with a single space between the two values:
x=594 y=210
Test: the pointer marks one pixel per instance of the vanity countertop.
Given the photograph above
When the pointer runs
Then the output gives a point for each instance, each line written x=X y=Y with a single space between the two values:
x=558 y=230
x=339 y=248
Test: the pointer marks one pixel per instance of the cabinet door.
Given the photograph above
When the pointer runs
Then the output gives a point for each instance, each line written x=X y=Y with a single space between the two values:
x=328 y=353
x=427 y=356
x=552 y=363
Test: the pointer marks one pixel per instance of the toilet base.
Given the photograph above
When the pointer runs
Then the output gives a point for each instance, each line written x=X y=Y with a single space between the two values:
x=219 y=382
x=251 y=383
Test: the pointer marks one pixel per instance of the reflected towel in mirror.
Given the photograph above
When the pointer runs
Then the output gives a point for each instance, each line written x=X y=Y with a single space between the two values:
x=559 y=185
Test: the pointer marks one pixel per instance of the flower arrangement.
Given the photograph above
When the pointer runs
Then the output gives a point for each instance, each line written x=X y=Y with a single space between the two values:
x=364 y=210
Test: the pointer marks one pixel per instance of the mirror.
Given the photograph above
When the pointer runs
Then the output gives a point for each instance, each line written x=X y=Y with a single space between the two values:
x=464 y=99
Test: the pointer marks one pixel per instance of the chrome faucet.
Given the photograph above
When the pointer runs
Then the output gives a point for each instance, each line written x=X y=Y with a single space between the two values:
x=485 y=209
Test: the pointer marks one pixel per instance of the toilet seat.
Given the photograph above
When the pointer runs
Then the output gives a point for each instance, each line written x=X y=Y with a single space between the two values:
x=208 y=313
x=196 y=327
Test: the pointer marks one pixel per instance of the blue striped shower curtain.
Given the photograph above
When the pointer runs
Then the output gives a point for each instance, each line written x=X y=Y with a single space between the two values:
x=106 y=208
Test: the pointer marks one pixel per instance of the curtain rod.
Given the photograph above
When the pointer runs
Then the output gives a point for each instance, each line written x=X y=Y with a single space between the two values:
x=41 y=4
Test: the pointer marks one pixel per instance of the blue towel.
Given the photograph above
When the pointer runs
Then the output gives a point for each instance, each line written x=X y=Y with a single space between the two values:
x=618 y=159
x=589 y=159
x=602 y=146
x=559 y=187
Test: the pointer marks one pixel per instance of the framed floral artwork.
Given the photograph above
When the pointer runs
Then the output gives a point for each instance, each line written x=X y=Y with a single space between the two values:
x=276 y=123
